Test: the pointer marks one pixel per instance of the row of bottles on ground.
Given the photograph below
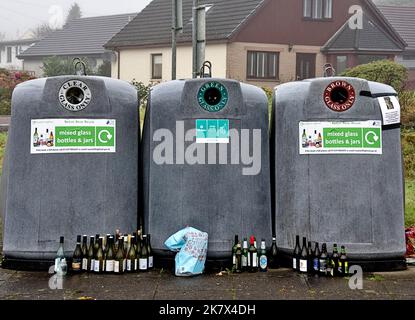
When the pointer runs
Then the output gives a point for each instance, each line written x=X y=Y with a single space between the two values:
x=110 y=254
x=250 y=258
x=319 y=262
x=45 y=139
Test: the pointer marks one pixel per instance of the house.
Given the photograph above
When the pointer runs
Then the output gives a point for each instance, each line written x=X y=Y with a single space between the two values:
x=403 y=20
x=82 y=37
x=10 y=50
x=263 y=42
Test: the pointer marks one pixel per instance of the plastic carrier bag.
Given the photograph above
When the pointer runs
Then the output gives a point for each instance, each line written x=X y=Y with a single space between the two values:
x=410 y=242
x=191 y=245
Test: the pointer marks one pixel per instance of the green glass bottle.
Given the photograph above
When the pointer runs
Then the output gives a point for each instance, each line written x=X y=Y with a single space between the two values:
x=99 y=258
x=143 y=260
x=84 y=248
x=119 y=258
x=245 y=255
x=238 y=258
x=77 y=256
x=131 y=257
x=109 y=259
x=150 y=253
x=91 y=257
x=252 y=256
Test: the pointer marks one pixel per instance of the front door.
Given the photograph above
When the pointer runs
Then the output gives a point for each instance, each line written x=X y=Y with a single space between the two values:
x=306 y=66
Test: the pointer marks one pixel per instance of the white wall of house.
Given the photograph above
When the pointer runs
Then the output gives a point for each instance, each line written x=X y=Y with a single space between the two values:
x=136 y=63
x=8 y=56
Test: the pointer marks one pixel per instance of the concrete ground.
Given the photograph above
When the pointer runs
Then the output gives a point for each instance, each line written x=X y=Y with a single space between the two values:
x=163 y=285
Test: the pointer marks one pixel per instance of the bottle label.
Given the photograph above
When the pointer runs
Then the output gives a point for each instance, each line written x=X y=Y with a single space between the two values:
x=150 y=261
x=84 y=264
x=233 y=259
x=294 y=263
x=255 y=260
x=117 y=267
x=340 y=268
x=57 y=264
x=143 y=264
x=124 y=264
x=323 y=265
x=249 y=259
x=315 y=264
x=97 y=266
x=76 y=266
x=244 y=261
x=303 y=265
x=263 y=262
x=128 y=265
x=346 y=267
x=135 y=264
x=92 y=266
x=109 y=266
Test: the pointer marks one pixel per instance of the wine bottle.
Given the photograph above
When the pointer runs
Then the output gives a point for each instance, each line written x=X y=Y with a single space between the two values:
x=77 y=256
x=119 y=258
x=343 y=262
x=91 y=256
x=263 y=260
x=131 y=257
x=238 y=256
x=323 y=260
x=60 y=255
x=110 y=257
x=150 y=252
x=310 y=259
x=84 y=253
x=334 y=261
x=253 y=256
x=304 y=257
x=143 y=260
x=235 y=244
x=99 y=258
x=316 y=259
x=245 y=255
x=296 y=254
x=273 y=254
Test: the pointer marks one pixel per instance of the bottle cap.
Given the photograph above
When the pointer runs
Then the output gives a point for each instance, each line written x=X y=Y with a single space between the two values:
x=78 y=239
x=252 y=240
x=62 y=239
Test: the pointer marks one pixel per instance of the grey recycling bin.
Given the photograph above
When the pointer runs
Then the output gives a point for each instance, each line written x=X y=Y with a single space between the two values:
x=337 y=167
x=71 y=164
x=206 y=162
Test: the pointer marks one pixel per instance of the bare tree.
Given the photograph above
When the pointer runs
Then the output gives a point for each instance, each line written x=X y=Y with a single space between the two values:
x=42 y=31
x=2 y=36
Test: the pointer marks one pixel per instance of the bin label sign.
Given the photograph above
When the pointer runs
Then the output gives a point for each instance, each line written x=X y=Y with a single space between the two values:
x=73 y=136
x=359 y=137
x=391 y=110
x=212 y=131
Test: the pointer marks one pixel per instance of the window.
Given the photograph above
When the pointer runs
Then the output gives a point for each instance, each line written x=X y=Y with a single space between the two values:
x=157 y=66
x=341 y=64
x=318 y=9
x=363 y=59
x=9 y=54
x=263 y=65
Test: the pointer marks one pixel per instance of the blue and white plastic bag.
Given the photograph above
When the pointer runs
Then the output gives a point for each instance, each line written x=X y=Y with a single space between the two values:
x=191 y=245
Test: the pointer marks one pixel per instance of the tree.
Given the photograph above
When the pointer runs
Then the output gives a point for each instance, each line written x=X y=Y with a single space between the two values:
x=42 y=31
x=2 y=36
x=74 y=12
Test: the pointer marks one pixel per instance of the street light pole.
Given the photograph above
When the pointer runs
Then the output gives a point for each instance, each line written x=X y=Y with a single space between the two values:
x=177 y=26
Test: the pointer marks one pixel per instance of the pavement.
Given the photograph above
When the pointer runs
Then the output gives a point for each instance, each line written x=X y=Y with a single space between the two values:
x=4 y=123
x=279 y=284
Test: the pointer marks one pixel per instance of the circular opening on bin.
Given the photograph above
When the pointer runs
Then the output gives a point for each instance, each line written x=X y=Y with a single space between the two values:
x=212 y=96
x=75 y=95
x=339 y=95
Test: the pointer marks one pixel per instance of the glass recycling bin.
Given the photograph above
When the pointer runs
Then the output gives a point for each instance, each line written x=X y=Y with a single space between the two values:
x=337 y=167
x=71 y=164
x=206 y=163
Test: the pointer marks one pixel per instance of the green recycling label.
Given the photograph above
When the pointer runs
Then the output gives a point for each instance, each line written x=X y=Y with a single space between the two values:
x=358 y=137
x=73 y=136
x=212 y=131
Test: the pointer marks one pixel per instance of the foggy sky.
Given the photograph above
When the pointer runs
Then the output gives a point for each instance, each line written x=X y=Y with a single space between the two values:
x=19 y=16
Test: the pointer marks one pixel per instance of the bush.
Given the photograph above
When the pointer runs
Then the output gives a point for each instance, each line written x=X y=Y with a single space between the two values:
x=8 y=81
x=104 y=69
x=407 y=101
x=408 y=149
x=384 y=71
